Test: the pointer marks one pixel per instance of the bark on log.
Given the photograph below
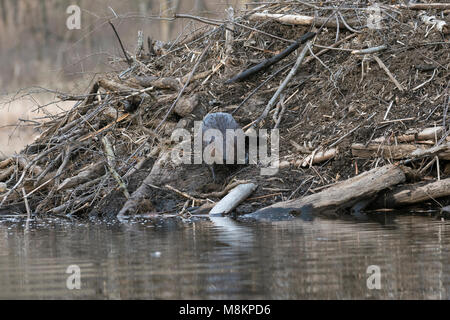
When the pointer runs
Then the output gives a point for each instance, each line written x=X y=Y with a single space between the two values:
x=6 y=163
x=159 y=83
x=341 y=195
x=395 y=152
x=5 y=174
x=400 y=151
x=115 y=87
x=442 y=151
x=86 y=174
x=423 y=6
x=431 y=133
x=416 y=193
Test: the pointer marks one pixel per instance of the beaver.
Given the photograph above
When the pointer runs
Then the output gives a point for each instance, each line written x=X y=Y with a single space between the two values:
x=220 y=121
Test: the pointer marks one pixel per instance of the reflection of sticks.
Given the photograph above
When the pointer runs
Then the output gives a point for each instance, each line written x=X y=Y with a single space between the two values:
x=267 y=63
x=27 y=206
x=121 y=45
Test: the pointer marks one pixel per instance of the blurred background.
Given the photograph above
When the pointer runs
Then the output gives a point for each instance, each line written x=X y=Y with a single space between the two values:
x=37 y=50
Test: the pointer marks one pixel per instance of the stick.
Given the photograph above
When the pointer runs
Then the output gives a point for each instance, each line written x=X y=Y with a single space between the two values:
x=110 y=161
x=319 y=157
x=424 y=6
x=348 y=133
x=424 y=83
x=219 y=194
x=229 y=37
x=262 y=84
x=295 y=19
x=121 y=45
x=184 y=194
x=370 y=50
x=267 y=63
x=184 y=87
x=291 y=73
x=383 y=66
x=388 y=109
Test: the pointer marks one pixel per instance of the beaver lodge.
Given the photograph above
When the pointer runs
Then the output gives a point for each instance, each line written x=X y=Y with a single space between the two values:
x=360 y=96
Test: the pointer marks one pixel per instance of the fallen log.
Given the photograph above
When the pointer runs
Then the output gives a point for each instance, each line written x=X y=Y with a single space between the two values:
x=431 y=133
x=342 y=195
x=90 y=172
x=423 y=6
x=233 y=199
x=115 y=87
x=6 y=163
x=395 y=152
x=5 y=174
x=399 y=151
x=442 y=151
x=299 y=20
x=159 y=83
x=416 y=193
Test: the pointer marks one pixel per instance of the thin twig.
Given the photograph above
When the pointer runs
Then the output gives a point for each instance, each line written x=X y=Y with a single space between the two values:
x=121 y=45
x=383 y=66
x=283 y=85
x=180 y=93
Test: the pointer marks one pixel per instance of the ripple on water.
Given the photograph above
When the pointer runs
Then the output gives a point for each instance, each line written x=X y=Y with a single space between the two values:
x=221 y=258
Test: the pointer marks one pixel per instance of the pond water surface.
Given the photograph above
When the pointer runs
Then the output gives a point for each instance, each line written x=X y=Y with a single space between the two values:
x=224 y=259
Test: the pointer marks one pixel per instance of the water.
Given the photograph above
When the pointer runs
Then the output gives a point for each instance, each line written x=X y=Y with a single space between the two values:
x=221 y=259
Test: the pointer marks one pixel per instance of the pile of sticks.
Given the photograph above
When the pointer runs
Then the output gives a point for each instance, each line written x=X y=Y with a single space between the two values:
x=125 y=121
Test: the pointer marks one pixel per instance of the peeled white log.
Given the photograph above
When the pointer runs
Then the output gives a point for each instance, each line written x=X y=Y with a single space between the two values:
x=426 y=134
x=297 y=19
x=233 y=199
x=320 y=156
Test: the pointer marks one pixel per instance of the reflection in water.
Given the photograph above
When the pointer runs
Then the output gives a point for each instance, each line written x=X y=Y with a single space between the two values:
x=220 y=259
